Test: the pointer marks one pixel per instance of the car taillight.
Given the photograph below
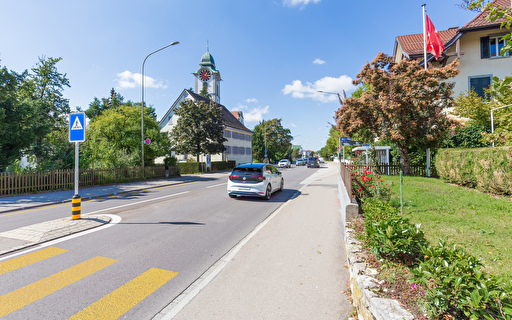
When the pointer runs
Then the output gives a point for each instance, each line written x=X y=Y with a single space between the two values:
x=260 y=178
x=231 y=177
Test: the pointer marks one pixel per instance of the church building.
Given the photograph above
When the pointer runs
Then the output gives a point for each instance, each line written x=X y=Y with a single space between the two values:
x=239 y=138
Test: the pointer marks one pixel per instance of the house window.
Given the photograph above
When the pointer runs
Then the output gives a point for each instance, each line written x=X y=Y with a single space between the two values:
x=478 y=84
x=490 y=47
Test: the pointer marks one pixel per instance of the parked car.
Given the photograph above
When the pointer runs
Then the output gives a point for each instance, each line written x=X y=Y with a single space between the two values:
x=255 y=180
x=321 y=160
x=299 y=162
x=313 y=162
x=285 y=163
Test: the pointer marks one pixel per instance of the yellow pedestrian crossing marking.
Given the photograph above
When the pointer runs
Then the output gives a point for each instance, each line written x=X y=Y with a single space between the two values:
x=20 y=262
x=19 y=298
x=121 y=300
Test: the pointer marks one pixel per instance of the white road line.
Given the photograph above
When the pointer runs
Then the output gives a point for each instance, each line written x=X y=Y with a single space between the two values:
x=217 y=185
x=139 y=202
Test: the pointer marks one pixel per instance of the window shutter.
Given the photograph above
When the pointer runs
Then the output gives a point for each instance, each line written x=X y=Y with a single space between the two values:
x=484 y=48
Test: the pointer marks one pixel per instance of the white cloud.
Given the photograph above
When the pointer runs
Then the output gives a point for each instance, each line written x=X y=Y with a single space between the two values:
x=293 y=125
x=310 y=90
x=297 y=3
x=251 y=100
x=127 y=79
x=255 y=114
x=318 y=61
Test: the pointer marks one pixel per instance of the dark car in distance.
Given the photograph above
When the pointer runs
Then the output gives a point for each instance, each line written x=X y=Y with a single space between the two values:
x=313 y=162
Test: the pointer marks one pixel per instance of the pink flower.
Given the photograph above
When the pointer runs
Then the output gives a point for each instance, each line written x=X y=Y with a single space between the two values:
x=414 y=286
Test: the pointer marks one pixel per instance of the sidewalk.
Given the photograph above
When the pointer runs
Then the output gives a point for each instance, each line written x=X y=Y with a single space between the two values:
x=292 y=268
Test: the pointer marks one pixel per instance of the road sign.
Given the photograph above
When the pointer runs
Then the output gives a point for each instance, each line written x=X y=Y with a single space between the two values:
x=366 y=145
x=352 y=143
x=77 y=127
x=147 y=141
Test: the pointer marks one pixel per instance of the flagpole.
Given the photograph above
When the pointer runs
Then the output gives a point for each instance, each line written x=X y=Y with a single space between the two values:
x=424 y=39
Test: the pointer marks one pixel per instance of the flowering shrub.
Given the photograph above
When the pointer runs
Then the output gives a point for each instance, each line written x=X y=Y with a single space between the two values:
x=369 y=185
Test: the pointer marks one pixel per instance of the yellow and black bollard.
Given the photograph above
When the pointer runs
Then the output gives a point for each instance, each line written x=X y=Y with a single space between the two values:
x=76 y=207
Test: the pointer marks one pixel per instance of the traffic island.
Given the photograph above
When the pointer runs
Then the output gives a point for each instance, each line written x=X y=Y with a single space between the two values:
x=42 y=232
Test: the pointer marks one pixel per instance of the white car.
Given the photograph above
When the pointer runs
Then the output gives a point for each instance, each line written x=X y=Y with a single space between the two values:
x=255 y=180
x=285 y=163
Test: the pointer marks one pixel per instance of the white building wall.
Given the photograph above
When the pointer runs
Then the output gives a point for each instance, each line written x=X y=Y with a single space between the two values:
x=471 y=65
x=234 y=146
x=239 y=145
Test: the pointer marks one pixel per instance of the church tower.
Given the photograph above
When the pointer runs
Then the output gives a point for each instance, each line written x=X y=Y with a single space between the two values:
x=208 y=77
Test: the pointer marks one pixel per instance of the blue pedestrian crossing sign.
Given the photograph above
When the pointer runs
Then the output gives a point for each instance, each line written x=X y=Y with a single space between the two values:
x=77 y=127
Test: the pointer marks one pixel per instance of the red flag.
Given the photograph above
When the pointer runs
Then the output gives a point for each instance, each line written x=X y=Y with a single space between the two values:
x=434 y=43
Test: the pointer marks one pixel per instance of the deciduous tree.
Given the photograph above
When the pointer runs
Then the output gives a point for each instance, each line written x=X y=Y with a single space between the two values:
x=199 y=129
x=404 y=104
x=113 y=138
x=278 y=140
x=18 y=119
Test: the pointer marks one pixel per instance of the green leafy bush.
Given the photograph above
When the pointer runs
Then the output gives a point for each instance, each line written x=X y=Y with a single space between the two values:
x=391 y=236
x=170 y=161
x=458 y=286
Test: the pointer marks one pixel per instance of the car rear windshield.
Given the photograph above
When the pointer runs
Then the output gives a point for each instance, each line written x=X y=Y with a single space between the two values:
x=245 y=171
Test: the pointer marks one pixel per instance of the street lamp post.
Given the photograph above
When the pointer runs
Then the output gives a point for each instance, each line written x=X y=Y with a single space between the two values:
x=339 y=137
x=265 y=135
x=142 y=106
x=492 y=118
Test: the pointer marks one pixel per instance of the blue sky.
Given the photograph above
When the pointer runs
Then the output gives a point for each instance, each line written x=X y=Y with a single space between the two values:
x=273 y=55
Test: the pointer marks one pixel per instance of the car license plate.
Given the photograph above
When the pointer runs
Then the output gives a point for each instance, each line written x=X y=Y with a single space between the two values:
x=243 y=188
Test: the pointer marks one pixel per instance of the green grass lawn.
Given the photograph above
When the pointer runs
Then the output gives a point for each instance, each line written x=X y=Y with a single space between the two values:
x=480 y=223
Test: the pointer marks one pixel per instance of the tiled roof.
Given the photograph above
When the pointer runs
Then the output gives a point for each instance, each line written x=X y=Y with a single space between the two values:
x=236 y=114
x=228 y=118
x=479 y=22
x=412 y=44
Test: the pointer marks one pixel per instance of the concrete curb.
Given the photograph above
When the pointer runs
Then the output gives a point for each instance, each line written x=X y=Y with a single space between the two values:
x=362 y=279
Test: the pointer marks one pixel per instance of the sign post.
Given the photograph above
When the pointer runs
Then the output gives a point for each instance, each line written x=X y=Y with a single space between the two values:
x=76 y=135
x=344 y=139
x=366 y=146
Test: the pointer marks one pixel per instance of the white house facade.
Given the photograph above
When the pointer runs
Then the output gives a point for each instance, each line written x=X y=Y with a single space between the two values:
x=477 y=46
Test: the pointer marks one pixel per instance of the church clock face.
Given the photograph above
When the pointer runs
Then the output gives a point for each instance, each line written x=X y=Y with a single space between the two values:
x=205 y=75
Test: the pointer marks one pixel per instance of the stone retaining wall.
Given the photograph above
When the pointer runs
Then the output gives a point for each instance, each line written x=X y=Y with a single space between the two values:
x=363 y=279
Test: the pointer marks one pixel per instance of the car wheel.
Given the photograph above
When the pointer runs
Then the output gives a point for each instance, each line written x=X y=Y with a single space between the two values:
x=268 y=193
x=282 y=185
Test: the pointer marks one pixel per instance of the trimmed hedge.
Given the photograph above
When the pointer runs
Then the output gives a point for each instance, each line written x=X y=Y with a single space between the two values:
x=486 y=169
x=195 y=167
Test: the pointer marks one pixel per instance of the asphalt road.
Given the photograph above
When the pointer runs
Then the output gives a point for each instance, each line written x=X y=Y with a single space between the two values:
x=165 y=239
